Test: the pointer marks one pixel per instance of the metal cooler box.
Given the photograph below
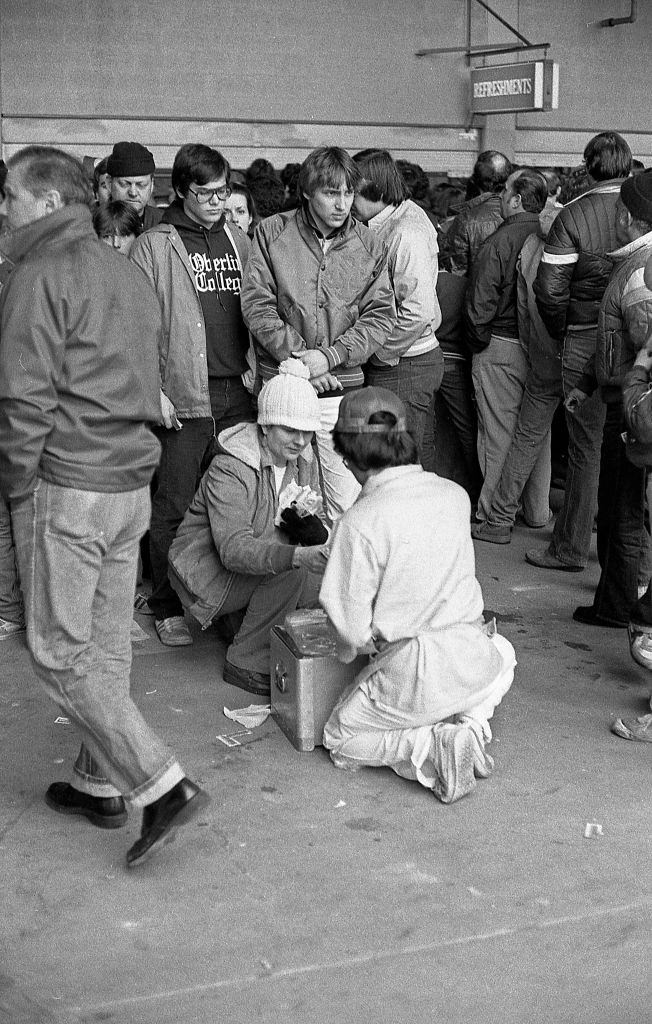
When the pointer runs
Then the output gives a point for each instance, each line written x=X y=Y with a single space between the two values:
x=306 y=679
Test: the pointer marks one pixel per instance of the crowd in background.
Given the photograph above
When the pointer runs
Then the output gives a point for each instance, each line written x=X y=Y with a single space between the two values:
x=325 y=336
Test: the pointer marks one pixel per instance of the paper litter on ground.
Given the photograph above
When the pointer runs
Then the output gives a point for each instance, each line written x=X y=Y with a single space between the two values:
x=251 y=716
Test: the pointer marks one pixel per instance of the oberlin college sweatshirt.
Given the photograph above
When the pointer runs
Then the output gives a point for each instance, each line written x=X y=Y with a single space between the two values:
x=218 y=281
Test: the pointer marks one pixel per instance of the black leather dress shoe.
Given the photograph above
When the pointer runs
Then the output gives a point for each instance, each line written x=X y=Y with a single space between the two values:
x=253 y=682
x=162 y=817
x=105 y=812
x=586 y=614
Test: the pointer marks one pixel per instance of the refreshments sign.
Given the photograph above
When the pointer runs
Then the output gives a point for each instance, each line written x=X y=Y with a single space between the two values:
x=530 y=86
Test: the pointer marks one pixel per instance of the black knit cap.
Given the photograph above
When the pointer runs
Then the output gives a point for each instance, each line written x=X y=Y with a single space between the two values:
x=130 y=160
x=636 y=194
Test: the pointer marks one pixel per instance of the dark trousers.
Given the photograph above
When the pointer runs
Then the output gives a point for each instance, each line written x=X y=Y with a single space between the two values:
x=415 y=379
x=185 y=454
x=620 y=523
x=450 y=443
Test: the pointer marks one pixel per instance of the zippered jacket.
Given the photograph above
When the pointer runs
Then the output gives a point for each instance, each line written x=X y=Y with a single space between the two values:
x=624 y=321
x=296 y=296
x=80 y=329
x=491 y=306
x=163 y=257
x=478 y=219
x=575 y=266
x=229 y=528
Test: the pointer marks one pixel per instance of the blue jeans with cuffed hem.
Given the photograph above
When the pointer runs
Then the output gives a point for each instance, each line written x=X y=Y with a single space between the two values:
x=77 y=555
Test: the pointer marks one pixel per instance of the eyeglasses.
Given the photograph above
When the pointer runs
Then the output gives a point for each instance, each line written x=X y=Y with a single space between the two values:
x=204 y=195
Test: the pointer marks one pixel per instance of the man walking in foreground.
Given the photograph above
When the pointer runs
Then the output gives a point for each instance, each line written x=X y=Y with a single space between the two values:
x=78 y=390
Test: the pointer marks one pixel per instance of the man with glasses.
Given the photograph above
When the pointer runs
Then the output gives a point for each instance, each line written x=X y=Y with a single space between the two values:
x=317 y=287
x=194 y=259
x=131 y=178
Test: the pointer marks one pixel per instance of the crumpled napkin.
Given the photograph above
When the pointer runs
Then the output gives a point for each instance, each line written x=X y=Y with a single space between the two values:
x=251 y=716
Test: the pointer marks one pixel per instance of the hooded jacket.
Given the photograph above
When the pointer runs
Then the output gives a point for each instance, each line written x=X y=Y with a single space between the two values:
x=78 y=361
x=575 y=268
x=183 y=368
x=296 y=296
x=229 y=528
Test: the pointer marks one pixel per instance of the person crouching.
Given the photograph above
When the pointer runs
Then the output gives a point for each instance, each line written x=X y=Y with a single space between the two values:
x=400 y=586
x=229 y=555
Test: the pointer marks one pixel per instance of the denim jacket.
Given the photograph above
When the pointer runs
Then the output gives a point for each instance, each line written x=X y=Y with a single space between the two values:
x=163 y=257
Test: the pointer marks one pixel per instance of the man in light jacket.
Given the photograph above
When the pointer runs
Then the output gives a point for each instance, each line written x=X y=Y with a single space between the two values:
x=410 y=362
x=316 y=286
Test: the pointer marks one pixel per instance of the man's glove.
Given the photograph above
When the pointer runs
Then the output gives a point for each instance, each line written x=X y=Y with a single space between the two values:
x=304 y=530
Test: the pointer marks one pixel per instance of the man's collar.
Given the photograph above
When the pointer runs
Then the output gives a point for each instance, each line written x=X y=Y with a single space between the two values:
x=313 y=227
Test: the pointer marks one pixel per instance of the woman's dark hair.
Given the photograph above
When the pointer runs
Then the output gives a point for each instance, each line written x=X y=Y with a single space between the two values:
x=242 y=190
x=98 y=171
x=268 y=195
x=260 y=168
x=289 y=175
x=116 y=218
x=198 y=163
x=383 y=182
x=378 y=451
x=416 y=179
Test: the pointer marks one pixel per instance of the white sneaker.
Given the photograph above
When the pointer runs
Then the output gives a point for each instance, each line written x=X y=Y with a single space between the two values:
x=455 y=749
x=9 y=629
x=640 y=647
x=173 y=631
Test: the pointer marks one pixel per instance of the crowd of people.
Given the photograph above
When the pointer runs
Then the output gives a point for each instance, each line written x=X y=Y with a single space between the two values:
x=243 y=397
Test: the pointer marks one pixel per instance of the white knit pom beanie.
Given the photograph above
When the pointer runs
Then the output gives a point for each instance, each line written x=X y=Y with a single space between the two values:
x=289 y=399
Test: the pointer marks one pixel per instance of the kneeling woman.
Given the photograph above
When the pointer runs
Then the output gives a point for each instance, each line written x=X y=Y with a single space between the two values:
x=228 y=555
x=400 y=586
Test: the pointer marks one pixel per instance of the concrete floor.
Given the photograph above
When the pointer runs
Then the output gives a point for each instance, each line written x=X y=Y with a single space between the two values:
x=305 y=894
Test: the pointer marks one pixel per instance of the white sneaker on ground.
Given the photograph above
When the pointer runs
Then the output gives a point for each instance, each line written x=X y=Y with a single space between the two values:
x=455 y=749
x=9 y=629
x=640 y=646
x=173 y=631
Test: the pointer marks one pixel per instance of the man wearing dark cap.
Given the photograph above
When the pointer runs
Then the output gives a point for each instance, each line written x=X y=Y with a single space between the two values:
x=131 y=168
x=624 y=325
x=409 y=599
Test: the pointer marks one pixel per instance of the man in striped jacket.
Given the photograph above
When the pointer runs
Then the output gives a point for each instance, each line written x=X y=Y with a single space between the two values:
x=571 y=280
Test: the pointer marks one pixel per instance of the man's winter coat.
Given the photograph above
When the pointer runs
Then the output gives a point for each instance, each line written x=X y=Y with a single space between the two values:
x=296 y=296
x=575 y=267
x=229 y=528
x=491 y=304
x=624 y=320
x=80 y=328
x=472 y=226
x=183 y=363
